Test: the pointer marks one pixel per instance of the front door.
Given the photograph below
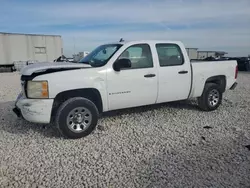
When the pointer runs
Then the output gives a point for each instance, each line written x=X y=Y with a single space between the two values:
x=134 y=86
x=174 y=73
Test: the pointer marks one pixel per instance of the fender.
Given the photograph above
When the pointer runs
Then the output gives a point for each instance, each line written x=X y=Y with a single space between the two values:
x=220 y=80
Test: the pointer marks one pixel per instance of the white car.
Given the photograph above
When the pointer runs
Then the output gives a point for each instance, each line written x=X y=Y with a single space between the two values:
x=116 y=76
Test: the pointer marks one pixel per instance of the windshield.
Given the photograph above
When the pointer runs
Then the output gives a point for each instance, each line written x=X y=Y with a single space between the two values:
x=100 y=56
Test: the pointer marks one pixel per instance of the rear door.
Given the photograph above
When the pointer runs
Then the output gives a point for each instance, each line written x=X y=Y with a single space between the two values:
x=174 y=73
x=134 y=86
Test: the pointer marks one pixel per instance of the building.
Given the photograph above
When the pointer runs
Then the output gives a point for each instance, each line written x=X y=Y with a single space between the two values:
x=215 y=54
x=80 y=55
x=29 y=47
x=192 y=53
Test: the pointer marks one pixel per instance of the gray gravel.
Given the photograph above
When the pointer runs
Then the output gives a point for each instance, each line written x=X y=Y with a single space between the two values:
x=157 y=146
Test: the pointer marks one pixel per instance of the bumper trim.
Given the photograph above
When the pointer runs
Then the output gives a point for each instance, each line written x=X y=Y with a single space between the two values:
x=233 y=86
x=17 y=112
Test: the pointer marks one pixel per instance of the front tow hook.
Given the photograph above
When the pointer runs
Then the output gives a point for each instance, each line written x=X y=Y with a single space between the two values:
x=17 y=112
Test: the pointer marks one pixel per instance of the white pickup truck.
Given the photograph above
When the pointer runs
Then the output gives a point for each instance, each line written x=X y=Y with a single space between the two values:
x=116 y=76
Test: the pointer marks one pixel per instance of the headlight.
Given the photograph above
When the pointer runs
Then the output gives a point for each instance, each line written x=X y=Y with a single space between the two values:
x=37 y=89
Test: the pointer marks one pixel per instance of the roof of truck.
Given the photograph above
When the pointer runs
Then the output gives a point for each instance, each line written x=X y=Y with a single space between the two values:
x=145 y=41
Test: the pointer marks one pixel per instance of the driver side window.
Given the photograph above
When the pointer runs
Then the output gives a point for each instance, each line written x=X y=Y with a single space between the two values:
x=140 y=56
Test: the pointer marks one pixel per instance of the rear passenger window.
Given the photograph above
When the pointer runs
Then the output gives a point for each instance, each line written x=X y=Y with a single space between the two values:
x=169 y=55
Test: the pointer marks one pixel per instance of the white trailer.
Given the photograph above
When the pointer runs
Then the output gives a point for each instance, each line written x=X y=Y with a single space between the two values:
x=28 y=47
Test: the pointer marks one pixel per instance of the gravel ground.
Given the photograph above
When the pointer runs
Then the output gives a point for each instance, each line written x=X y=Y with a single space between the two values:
x=158 y=146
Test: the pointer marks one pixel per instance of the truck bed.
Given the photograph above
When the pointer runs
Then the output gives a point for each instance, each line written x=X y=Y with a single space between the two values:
x=202 y=70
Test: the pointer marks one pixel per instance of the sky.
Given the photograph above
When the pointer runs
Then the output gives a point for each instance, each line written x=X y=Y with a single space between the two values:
x=84 y=24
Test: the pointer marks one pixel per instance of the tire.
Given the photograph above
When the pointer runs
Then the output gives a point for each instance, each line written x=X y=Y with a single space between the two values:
x=247 y=67
x=69 y=121
x=211 y=97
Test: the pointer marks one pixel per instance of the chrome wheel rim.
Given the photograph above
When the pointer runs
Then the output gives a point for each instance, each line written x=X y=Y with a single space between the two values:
x=79 y=119
x=213 y=97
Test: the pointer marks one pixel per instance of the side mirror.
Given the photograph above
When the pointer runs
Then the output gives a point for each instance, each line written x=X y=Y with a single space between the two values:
x=121 y=63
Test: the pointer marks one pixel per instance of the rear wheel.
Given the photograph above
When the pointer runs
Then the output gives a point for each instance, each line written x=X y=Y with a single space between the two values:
x=77 y=117
x=211 y=97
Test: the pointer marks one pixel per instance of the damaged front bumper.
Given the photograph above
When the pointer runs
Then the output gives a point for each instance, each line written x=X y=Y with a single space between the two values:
x=34 y=110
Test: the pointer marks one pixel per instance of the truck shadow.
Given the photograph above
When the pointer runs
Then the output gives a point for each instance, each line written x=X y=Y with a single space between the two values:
x=185 y=104
x=12 y=124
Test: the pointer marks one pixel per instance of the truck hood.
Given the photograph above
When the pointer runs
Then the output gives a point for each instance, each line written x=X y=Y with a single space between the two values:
x=40 y=68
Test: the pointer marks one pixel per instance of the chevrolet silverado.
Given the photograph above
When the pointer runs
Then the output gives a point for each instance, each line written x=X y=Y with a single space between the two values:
x=117 y=76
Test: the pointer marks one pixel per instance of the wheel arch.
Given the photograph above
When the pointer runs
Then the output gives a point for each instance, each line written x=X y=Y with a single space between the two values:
x=219 y=80
x=92 y=94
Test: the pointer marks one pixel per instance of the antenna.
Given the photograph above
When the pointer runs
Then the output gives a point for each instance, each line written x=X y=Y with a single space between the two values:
x=74 y=45
x=121 y=40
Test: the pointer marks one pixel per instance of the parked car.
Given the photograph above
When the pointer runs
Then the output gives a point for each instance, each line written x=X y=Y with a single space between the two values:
x=117 y=76
x=243 y=63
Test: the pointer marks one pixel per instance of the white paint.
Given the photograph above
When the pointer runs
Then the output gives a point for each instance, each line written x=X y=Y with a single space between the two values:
x=36 y=110
x=138 y=89
x=167 y=85
x=203 y=70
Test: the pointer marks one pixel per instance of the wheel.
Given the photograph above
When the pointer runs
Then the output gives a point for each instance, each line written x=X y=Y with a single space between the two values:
x=211 y=97
x=77 y=117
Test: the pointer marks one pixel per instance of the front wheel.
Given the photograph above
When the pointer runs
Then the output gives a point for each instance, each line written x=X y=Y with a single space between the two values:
x=211 y=97
x=77 y=117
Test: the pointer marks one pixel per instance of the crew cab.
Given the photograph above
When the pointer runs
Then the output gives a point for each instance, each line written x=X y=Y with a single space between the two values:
x=117 y=76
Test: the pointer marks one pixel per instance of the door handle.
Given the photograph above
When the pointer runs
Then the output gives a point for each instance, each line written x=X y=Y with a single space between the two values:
x=183 y=72
x=149 y=75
